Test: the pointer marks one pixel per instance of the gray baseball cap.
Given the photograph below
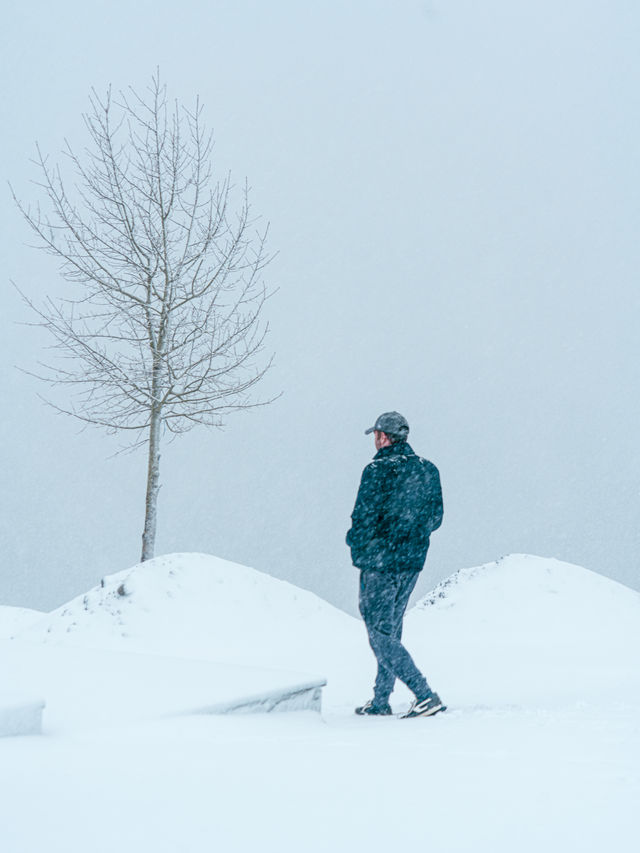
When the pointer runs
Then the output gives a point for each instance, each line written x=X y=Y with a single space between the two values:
x=391 y=423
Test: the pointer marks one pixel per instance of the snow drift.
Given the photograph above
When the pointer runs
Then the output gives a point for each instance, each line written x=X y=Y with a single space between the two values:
x=523 y=631
x=540 y=749
x=530 y=631
x=198 y=606
x=16 y=619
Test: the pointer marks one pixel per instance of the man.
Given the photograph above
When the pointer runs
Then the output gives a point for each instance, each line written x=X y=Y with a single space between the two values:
x=399 y=505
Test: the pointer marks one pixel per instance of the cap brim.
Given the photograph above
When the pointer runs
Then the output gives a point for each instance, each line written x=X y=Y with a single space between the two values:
x=371 y=429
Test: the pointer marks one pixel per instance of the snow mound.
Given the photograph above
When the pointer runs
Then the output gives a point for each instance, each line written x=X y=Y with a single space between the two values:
x=198 y=606
x=529 y=631
x=15 y=619
x=521 y=632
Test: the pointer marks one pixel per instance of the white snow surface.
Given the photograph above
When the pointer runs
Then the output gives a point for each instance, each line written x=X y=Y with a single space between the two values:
x=201 y=607
x=529 y=631
x=91 y=688
x=540 y=748
x=20 y=716
x=14 y=619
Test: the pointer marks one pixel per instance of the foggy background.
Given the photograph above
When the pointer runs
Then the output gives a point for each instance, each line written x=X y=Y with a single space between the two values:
x=453 y=191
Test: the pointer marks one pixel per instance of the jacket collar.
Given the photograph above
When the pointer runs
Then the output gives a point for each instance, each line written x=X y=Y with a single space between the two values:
x=400 y=448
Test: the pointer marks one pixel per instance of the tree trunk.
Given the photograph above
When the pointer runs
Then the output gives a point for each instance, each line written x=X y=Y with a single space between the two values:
x=153 y=486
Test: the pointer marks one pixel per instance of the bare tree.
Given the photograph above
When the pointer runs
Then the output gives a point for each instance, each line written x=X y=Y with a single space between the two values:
x=162 y=327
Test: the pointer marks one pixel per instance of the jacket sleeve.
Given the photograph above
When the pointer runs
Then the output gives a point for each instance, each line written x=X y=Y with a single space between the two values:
x=434 y=493
x=366 y=515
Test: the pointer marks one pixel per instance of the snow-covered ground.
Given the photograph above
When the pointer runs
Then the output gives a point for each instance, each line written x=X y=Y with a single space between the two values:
x=15 y=619
x=200 y=607
x=540 y=747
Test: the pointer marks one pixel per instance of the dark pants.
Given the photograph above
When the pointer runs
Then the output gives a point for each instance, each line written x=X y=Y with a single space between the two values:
x=383 y=600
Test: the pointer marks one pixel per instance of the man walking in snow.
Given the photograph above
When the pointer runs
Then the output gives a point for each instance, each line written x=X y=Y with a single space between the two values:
x=399 y=505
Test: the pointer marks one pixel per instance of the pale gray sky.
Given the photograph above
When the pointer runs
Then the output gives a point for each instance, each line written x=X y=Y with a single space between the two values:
x=453 y=190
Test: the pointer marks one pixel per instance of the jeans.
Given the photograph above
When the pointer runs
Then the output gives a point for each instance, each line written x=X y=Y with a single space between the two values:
x=383 y=600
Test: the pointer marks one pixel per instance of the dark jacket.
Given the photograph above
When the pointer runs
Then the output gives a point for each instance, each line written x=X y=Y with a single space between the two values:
x=399 y=505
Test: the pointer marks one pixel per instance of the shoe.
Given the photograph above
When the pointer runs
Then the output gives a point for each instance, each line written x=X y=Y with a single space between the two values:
x=369 y=709
x=425 y=707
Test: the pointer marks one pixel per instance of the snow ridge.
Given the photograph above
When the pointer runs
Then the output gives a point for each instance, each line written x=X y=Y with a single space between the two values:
x=201 y=607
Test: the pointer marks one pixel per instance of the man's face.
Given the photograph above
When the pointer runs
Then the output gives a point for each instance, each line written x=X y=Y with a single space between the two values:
x=381 y=439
